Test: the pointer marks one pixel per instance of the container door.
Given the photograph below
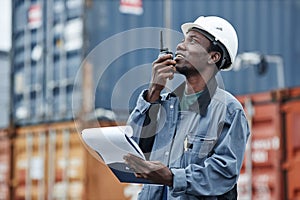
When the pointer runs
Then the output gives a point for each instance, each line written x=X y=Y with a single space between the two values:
x=292 y=165
x=265 y=174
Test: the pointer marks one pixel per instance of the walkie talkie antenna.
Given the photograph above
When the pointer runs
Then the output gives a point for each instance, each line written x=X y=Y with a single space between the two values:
x=163 y=50
x=161 y=41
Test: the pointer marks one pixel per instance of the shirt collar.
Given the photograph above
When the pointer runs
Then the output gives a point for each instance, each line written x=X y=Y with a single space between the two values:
x=203 y=100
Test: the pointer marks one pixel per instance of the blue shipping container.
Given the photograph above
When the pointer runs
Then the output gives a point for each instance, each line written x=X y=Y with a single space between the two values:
x=266 y=27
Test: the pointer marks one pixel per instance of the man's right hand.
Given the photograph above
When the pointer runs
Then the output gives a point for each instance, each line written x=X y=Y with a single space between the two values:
x=163 y=68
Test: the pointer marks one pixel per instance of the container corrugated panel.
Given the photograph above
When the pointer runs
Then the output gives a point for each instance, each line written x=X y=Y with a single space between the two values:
x=49 y=162
x=292 y=164
x=4 y=89
x=5 y=166
x=65 y=44
x=266 y=151
x=30 y=163
x=46 y=56
x=111 y=24
x=66 y=162
x=261 y=27
x=27 y=66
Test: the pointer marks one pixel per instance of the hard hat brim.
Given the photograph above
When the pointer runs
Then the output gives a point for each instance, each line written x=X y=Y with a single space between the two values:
x=187 y=26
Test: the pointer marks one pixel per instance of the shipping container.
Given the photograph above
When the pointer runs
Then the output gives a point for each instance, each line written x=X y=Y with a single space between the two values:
x=51 y=162
x=5 y=164
x=265 y=171
x=47 y=53
x=291 y=112
x=261 y=27
x=265 y=27
x=48 y=162
x=274 y=168
x=4 y=89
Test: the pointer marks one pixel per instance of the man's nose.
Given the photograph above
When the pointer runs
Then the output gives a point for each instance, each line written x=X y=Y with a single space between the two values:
x=180 y=46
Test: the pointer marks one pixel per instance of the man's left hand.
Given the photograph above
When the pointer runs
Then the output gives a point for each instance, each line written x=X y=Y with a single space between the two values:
x=154 y=171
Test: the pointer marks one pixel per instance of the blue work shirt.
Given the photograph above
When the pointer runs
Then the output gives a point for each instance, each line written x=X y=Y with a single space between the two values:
x=203 y=146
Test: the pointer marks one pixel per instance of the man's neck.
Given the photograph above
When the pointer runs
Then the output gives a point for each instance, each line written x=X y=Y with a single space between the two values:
x=196 y=83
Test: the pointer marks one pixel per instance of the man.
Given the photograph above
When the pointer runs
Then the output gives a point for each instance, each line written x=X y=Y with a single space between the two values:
x=195 y=136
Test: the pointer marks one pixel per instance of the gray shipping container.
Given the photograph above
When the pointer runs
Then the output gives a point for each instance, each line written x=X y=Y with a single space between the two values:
x=4 y=89
x=47 y=52
x=266 y=27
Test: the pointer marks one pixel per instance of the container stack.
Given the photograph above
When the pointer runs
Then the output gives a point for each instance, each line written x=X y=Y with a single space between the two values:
x=48 y=156
x=47 y=52
x=274 y=147
x=43 y=106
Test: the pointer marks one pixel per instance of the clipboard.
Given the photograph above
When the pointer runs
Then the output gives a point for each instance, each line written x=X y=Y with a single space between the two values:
x=111 y=144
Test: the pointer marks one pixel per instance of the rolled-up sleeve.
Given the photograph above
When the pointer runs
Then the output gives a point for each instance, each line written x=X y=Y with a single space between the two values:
x=179 y=181
x=220 y=171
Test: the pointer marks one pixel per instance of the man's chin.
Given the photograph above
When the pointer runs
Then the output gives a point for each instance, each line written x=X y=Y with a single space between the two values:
x=184 y=70
x=181 y=69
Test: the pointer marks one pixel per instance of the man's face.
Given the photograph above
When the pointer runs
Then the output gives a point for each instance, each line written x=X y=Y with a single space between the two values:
x=191 y=54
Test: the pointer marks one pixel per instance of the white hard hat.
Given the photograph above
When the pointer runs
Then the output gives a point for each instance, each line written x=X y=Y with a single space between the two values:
x=221 y=31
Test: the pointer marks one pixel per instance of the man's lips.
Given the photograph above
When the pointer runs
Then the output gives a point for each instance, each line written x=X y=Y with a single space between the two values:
x=178 y=56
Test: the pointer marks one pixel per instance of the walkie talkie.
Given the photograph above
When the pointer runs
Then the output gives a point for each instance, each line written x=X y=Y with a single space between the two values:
x=163 y=51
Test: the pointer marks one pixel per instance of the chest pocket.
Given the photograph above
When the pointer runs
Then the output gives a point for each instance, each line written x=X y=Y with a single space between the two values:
x=200 y=138
x=202 y=145
x=198 y=148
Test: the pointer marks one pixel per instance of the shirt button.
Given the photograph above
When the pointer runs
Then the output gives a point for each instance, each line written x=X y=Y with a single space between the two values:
x=172 y=106
x=166 y=153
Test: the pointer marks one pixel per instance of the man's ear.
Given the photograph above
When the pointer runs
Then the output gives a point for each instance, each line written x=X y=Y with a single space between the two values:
x=214 y=57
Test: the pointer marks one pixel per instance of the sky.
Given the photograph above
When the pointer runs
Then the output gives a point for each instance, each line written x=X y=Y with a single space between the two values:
x=5 y=25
